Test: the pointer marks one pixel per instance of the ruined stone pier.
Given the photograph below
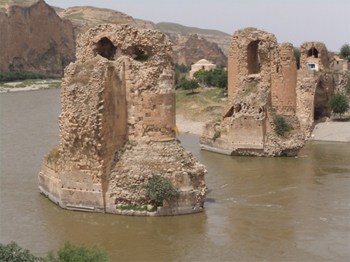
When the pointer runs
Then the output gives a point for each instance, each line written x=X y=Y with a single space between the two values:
x=117 y=128
x=264 y=85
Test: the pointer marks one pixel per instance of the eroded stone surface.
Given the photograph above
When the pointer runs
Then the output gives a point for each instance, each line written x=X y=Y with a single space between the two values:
x=263 y=82
x=118 y=109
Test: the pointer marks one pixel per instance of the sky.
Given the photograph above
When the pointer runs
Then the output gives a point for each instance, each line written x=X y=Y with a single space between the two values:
x=294 y=21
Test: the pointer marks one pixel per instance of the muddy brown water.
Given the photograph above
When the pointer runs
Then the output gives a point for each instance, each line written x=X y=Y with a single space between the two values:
x=258 y=209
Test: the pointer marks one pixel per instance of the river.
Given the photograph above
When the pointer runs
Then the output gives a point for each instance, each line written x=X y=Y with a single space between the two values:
x=258 y=209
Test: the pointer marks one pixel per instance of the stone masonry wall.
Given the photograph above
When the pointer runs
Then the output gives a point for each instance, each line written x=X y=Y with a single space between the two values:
x=119 y=91
x=261 y=84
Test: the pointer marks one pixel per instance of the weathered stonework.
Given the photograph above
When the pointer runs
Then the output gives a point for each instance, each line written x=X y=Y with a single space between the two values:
x=117 y=127
x=263 y=82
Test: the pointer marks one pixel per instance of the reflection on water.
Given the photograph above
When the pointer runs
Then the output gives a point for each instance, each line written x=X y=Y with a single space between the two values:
x=259 y=209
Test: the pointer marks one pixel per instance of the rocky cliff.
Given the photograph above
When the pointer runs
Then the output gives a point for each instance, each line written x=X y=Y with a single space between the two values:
x=35 y=39
x=189 y=49
x=190 y=44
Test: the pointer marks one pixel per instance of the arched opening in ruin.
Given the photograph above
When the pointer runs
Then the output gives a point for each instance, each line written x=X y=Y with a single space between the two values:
x=139 y=53
x=253 y=60
x=105 y=48
x=312 y=52
x=321 y=107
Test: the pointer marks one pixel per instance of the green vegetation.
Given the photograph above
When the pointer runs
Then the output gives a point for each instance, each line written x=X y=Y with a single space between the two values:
x=15 y=76
x=339 y=103
x=297 y=56
x=186 y=84
x=215 y=77
x=72 y=253
x=68 y=253
x=203 y=105
x=345 y=51
x=281 y=125
x=160 y=189
x=14 y=253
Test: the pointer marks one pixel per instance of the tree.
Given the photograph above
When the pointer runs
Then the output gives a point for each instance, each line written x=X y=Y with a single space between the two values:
x=345 y=51
x=214 y=77
x=339 y=103
x=187 y=84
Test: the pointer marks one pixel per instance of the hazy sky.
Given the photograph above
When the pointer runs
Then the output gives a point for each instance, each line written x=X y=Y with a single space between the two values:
x=294 y=21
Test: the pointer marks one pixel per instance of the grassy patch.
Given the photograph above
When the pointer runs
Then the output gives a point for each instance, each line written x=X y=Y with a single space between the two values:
x=205 y=104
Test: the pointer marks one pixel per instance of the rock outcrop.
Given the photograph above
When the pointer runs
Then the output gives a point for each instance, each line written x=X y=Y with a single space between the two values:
x=189 y=49
x=117 y=128
x=35 y=39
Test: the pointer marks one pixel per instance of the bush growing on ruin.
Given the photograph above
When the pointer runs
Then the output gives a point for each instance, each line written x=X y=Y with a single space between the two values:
x=281 y=125
x=339 y=103
x=160 y=189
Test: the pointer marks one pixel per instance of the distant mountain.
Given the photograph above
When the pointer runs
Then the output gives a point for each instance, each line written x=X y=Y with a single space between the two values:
x=222 y=39
x=190 y=44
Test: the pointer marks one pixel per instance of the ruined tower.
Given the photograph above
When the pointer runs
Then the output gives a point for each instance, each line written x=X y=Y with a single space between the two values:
x=262 y=78
x=117 y=127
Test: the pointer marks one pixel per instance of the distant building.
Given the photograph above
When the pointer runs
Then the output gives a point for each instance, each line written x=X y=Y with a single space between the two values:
x=202 y=64
x=341 y=64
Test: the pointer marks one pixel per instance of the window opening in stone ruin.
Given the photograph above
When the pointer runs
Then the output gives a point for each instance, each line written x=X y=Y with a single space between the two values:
x=139 y=54
x=277 y=69
x=203 y=68
x=312 y=52
x=105 y=48
x=253 y=59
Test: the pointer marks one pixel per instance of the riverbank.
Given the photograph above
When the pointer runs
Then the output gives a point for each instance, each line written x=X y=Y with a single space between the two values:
x=29 y=85
x=331 y=131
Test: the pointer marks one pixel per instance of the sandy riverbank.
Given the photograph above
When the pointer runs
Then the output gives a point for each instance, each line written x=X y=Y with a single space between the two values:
x=331 y=131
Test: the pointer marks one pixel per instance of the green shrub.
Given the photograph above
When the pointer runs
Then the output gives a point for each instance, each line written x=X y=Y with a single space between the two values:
x=72 y=253
x=281 y=125
x=160 y=189
x=14 y=253
x=339 y=103
x=15 y=76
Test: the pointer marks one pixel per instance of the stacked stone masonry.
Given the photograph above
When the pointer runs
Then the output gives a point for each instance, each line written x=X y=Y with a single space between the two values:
x=118 y=108
x=263 y=83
